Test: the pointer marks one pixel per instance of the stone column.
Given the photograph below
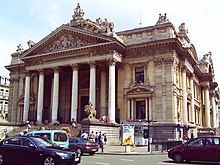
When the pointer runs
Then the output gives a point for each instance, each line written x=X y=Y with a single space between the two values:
x=40 y=99
x=175 y=109
x=111 y=103
x=92 y=84
x=55 y=99
x=184 y=87
x=146 y=108
x=207 y=106
x=74 y=98
x=192 y=100
x=103 y=93
x=128 y=108
x=26 y=97
x=150 y=108
x=132 y=109
x=214 y=111
x=20 y=92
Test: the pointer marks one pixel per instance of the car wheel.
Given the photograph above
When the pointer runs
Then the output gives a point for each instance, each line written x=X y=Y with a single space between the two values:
x=178 y=158
x=79 y=151
x=1 y=158
x=91 y=153
x=49 y=161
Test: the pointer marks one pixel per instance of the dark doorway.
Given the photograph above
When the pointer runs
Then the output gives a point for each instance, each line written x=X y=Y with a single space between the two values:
x=84 y=100
x=140 y=110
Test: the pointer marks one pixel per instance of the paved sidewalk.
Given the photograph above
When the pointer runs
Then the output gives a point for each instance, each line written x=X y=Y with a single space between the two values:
x=122 y=150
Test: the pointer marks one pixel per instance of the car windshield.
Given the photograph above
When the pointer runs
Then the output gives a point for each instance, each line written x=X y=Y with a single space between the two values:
x=44 y=142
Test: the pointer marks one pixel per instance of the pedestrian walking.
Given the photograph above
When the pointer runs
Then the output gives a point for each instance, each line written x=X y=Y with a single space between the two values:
x=92 y=137
x=105 y=138
x=84 y=135
x=100 y=141
x=96 y=137
x=73 y=123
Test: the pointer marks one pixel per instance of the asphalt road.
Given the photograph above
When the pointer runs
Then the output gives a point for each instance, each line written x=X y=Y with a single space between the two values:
x=131 y=160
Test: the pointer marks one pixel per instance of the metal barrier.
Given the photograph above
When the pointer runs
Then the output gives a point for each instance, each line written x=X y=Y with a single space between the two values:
x=169 y=144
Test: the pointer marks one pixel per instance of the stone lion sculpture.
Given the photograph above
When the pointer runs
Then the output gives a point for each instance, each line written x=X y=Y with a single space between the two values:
x=90 y=111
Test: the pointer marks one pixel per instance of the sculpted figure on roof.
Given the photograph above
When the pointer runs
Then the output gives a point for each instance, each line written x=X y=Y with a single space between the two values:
x=19 y=48
x=97 y=26
x=182 y=29
x=77 y=17
x=162 y=19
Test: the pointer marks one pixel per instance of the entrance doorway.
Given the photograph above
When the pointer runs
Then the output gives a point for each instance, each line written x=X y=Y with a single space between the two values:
x=84 y=100
x=140 y=110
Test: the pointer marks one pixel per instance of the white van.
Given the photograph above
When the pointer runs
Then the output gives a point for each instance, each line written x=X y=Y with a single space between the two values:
x=58 y=137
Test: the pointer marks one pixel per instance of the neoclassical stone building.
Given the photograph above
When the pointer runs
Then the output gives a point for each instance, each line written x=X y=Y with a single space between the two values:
x=140 y=75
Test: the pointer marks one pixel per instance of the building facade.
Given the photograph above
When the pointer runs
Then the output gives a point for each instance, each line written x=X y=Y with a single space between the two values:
x=218 y=105
x=150 y=75
x=4 y=95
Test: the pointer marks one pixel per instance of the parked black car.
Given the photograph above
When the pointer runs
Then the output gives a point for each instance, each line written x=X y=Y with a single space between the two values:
x=35 y=150
x=83 y=146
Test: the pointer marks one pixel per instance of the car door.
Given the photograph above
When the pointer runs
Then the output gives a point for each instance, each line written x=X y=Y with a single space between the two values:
x=194 y=150
x=72 y=143
x=11 y=147
x=30 y=152
x=212 y=149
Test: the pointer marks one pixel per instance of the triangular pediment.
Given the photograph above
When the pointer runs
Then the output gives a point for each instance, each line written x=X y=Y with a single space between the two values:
x=136 y=88
x=66 y=38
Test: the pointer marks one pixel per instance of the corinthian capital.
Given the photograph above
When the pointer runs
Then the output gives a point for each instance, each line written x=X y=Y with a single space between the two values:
x=92 y=64
x=206 y=87
x=112 y=61
x=75 y=66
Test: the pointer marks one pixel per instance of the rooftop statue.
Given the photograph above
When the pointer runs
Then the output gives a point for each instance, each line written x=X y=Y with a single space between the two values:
x=182 y=29
x=30 y=43
x=77 y=17
x=97 y=26
x=162 y=19
x=78 y=12
x=207 y=57
x=19 y=48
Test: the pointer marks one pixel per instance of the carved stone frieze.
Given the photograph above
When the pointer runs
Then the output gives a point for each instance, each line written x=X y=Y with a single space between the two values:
x=164 y=60
x=31 y=63
x=67 y=42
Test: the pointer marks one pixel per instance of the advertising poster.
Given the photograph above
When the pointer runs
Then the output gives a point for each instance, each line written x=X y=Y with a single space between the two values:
x=127 y=135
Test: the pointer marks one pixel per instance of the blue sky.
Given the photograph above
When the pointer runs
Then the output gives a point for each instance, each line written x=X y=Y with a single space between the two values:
x=22 y=20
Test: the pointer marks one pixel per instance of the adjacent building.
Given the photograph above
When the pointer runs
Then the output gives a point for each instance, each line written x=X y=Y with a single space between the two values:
x=4 y=93
x=149 y=76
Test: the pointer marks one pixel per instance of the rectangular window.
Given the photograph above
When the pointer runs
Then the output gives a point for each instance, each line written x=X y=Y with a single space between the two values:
x=139 y=74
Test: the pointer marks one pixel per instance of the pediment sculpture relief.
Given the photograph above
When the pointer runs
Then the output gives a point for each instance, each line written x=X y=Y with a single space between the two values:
x=140 y=87
x=68 y=42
